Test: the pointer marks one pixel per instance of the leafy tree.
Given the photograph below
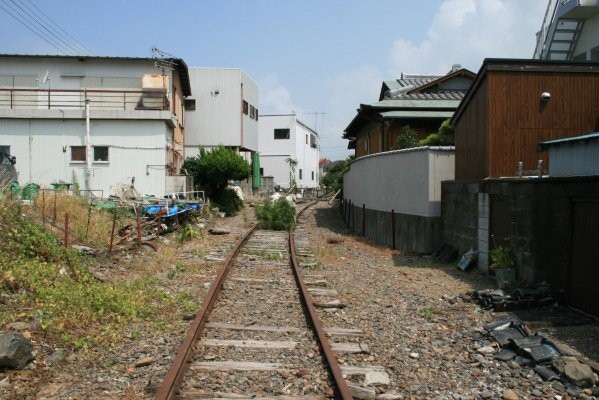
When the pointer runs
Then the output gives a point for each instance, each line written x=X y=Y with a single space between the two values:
x=212 y=171
x=406 y=139
x=444 y=136
x=292 y=162
x=334 y=178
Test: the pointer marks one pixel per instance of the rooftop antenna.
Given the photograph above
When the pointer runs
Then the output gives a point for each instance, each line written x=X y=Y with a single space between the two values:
x=163 y=59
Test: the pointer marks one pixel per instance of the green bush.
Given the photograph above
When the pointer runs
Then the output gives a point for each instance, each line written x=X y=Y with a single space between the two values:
x=443 y=137
x=278 y=216
x=407 y=138
x=213 y=169
x=228 y=202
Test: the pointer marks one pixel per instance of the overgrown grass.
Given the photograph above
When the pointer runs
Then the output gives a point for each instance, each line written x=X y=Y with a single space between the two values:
x=278 y=216
x=48 y=284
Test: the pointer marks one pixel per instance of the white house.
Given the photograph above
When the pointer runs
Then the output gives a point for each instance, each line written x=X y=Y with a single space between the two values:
x=284 y=138
x=222 y=111
x=99 y=121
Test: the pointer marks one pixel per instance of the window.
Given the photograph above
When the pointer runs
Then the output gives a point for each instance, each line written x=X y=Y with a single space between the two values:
x=312 y=175
x=282 y=133
x=100 y=153
x=261 y=171
x=5 y=150
x=312 y=141
x=190 y=104
x=245 y=107
x=77 y=153
x=252 y=111
x=300 y=173
x=306 y=138
x=256 y=114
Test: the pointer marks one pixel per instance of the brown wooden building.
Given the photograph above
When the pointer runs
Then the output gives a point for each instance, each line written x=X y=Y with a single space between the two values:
x=421 y=102
x=515 y=104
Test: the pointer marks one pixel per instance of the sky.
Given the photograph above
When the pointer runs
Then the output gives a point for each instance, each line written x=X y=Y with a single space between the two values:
x=318 y=58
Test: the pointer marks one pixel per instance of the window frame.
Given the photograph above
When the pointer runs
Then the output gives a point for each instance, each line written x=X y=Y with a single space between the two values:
x=282 y=130
x=96 y=160
x=245 y=107
x=80 y=150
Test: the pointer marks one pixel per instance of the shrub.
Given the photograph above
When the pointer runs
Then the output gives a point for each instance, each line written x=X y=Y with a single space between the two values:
x=213 y=169
x=407 y=138
x=277 y=216
x=228 y=201
x=443 y=137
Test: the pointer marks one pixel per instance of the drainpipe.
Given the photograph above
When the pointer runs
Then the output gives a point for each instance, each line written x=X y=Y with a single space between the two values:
x=88 y=146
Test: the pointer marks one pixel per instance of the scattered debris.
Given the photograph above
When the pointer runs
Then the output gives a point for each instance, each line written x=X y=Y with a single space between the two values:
x=468 y=259
x=547 y=360
x=515 y=299
x=219 y=231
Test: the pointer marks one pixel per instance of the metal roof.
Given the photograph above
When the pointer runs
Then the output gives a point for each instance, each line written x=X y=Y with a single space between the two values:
x=544 y=145
x=416 y=114
x=415 y=103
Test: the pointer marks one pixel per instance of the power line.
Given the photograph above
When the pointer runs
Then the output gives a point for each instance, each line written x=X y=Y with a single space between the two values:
x=80 y=47
x=33 y=29
x=34 y=21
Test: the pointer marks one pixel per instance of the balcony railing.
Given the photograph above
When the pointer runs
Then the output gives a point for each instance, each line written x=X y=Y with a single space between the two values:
x=51 y=99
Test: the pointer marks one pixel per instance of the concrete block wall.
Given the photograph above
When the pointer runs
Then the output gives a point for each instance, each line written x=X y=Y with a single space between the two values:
x=459 y=214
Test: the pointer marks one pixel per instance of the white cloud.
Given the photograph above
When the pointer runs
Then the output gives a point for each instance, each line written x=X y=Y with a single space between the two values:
x=274 y=97
x=467 y=31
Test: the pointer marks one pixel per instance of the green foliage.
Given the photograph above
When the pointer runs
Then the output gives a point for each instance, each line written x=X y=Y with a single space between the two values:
x=76 y=187
x=444 y=136
x=54 y=285
x=334 y=177
x=187 y=232
x=228 y=201
x=213 y=169
x=277 y=216
x=501 y=257
x=427 y=313
x=406 y=139
x=292 y=162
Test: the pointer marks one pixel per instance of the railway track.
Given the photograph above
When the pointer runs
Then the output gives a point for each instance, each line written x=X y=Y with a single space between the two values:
x=257 y=334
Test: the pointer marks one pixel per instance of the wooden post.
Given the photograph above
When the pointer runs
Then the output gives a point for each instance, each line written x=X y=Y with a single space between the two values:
x=393 y=227
x=351 y=211
x=43 y=207
x=137 y=213
x=112 y=234
x=89 y=212
x=363 y=219
x=66 y=230
x=54 y=206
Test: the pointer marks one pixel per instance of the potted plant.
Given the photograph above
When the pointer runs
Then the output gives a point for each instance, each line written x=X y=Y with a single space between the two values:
x=503 y=264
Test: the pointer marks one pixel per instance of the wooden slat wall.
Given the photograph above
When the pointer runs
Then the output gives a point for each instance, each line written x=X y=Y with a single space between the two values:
x=506 y=119
x=471 y=137
x=518 y=119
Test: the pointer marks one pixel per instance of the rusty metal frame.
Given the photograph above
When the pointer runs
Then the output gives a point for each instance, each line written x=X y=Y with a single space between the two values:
x=175 y=374
x=342 y=390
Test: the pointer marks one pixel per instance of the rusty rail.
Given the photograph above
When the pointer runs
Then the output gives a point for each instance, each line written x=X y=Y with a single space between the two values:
x=175 y=374
x=342 y=390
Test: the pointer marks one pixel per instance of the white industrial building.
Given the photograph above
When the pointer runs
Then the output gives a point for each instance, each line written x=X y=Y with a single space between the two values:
x=222 y=111
x=101 y=122
x=284 y=138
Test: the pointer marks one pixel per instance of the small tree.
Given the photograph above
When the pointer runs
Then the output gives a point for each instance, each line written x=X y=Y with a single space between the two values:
x=334 y=178
x=444 y=136
x=406 y=139
x=213 y=169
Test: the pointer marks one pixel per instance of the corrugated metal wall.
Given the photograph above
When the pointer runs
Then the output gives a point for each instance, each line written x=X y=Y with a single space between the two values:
x=218 y=116
x=43 y=151
x=574 y=159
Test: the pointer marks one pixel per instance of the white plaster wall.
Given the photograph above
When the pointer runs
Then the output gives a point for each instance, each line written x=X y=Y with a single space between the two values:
x=406 y=181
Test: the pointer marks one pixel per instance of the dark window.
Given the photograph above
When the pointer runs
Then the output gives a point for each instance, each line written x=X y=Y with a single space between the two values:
x=300 y=173
x=261 y=171
x=312 y=175
x=256 y=114
x=282 y=133
x=77 y=153
x=252 y=111
x=100 y=153
x=190 y=104
x=5 y=150
x=306 y=139
x=313 y=141
x=245 y=107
